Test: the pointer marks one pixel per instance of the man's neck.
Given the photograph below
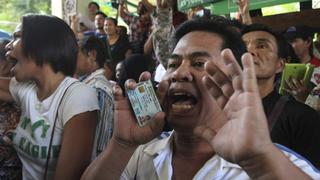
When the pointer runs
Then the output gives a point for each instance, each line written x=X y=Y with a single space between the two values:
x=266 y=86
x=100 y=31
x=112 y=37
x=187 y=146
x=91 y=16
x=188 y=149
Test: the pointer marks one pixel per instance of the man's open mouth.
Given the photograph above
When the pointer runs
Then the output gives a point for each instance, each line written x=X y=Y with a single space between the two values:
x=182 y=101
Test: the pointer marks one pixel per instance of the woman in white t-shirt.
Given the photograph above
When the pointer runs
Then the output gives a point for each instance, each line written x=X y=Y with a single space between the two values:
x=55 y=134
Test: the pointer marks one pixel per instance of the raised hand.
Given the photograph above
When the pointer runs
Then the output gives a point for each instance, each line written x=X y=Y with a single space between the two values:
x=163 y=4
x=245 y=134
x=243 y=6
x=126 y=131
x=74 y=18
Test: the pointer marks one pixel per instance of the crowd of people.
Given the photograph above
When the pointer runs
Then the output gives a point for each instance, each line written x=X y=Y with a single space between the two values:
x=65 y=113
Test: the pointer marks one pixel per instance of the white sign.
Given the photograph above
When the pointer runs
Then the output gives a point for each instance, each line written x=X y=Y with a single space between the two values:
x=315 y=4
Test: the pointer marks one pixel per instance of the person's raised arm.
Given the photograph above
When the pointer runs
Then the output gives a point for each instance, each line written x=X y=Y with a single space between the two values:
x=243 y=6
x=148 y=5
x=244 y=139
x=163 y=31
x=127 y=136
x=124 y=13
x=74 y=23
x=148 y=46
x=121 y=10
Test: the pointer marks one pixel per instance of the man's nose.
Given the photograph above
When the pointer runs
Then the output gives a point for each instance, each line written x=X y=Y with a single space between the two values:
x=251 y=49
x=182 y=74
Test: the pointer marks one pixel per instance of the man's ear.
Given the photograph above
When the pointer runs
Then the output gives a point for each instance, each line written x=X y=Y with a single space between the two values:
x=280 y=66
x=309 y=41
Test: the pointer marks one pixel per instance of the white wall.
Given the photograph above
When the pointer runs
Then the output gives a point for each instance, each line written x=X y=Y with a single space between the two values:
x=56 y=8
x=82 y=6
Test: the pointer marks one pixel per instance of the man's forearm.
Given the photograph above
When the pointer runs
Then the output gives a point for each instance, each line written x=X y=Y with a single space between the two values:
x=110 y=163
x=246 y=19
x=272 y=165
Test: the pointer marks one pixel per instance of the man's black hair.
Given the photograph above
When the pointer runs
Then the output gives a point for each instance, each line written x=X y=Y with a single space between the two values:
x=93 y=43
x=214 y=24
x=101 y=13
x=48 y=39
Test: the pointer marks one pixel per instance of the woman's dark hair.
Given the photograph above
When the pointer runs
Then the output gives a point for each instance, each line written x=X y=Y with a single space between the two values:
x=48 y=39
x=94 y=3
x=115 y=22
x=133 y=66
x=290 y=55
x=93 y=43
x=218 y=25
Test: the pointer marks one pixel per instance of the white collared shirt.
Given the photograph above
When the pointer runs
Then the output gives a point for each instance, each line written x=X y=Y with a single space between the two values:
x=154 y=161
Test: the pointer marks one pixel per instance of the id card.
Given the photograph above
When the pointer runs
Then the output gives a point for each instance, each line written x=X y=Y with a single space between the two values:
x=144 y=102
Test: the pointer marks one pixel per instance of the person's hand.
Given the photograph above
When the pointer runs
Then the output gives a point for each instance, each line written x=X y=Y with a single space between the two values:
x=74 y=18
x=243 y=6
x=298 y=89
x=127 y=132
x=164 y=4
x=245 y=135
x=123 y=8
x=121 y=2
x=190 y=14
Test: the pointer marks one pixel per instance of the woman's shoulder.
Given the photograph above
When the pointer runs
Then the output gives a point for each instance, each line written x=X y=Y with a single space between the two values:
x=75 y=86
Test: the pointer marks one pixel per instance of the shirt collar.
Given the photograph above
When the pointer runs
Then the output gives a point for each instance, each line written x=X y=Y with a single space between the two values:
x=161 y=151
x=159 y=144
x=162 y=144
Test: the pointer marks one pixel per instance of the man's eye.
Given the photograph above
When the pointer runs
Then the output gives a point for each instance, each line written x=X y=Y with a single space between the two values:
x=172 y=65
x=262 y=46
x=198 y=64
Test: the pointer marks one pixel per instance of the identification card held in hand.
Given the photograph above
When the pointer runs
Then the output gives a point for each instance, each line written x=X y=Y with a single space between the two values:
x=144 y=102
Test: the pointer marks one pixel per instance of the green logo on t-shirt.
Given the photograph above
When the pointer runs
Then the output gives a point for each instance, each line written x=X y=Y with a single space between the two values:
x=34 y=149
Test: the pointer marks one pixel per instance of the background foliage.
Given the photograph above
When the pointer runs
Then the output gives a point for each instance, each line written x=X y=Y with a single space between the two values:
x=12 y=10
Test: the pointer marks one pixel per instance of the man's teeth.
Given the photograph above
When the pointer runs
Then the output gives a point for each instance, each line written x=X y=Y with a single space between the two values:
x=181 y=94
x=179 y=107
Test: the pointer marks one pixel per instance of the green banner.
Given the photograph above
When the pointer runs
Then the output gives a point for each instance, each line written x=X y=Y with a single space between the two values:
x=227 y=6
x=184 y=5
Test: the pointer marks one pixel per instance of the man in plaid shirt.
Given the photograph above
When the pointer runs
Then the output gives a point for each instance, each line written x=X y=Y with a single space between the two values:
x=138 y=25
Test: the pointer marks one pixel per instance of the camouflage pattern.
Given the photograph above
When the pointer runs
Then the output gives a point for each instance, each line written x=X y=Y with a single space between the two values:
x=163 y=31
